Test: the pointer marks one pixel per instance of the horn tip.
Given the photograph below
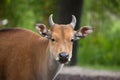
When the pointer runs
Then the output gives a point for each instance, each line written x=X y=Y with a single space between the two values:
x=51 y=15
x=73 y=16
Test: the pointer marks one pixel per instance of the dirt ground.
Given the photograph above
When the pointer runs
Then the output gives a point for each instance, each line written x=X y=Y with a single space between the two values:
x=78 y=73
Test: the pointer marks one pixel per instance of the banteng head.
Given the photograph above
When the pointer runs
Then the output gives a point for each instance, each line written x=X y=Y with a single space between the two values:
x=61 y=38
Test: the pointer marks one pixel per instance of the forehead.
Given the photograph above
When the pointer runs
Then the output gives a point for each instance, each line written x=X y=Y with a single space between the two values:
x=62 y=30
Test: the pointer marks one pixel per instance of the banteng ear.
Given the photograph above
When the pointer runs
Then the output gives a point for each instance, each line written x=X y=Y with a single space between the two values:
x=83 y=32
x=41 y=28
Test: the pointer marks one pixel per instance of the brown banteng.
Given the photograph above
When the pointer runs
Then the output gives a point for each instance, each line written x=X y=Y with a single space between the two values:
x=25 y=55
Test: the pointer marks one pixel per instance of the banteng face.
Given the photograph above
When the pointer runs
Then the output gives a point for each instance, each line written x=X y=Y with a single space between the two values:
x=61 y=38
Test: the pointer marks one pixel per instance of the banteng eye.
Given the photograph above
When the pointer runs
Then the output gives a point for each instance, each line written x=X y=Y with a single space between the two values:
x=72 y=40
x=52 y=39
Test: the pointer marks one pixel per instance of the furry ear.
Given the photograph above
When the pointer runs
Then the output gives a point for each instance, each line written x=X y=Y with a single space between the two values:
x=41 y=28
x=83 y=32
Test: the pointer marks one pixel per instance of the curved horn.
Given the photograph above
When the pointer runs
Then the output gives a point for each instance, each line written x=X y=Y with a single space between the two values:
x=51 y=22
x=73 y=22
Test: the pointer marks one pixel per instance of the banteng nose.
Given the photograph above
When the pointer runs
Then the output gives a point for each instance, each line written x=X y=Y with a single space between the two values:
x=63 y=57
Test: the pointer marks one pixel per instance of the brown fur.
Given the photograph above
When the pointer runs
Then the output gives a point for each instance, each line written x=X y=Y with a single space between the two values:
x=24 y=55
x=20 y=53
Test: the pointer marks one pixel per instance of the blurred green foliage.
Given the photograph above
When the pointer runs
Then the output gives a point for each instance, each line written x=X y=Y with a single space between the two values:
x=25 y=13
x=103 y=46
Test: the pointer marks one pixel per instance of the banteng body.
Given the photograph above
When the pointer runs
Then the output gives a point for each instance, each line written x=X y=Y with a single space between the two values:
x=25 y=55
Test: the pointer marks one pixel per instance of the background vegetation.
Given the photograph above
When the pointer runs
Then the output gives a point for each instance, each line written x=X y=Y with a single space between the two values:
x=100 y=48
x=103 y=46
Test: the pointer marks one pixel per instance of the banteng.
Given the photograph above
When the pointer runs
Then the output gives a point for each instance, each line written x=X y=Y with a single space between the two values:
x=25 y=55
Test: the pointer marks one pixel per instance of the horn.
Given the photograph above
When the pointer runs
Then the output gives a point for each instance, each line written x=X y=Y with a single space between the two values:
x=51 y=22
x=73 y=22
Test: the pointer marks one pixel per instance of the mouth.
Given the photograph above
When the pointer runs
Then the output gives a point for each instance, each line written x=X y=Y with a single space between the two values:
x=63 y=60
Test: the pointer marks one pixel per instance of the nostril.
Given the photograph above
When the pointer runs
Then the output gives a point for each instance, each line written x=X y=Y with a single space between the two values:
x=63 y=55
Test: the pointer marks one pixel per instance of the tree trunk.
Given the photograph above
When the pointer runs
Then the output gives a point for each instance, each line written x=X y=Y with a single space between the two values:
x=2 y=8
x=65 y=10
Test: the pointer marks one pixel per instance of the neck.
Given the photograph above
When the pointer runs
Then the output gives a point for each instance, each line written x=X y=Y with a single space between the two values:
x=49 y=68
x=54 y=67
